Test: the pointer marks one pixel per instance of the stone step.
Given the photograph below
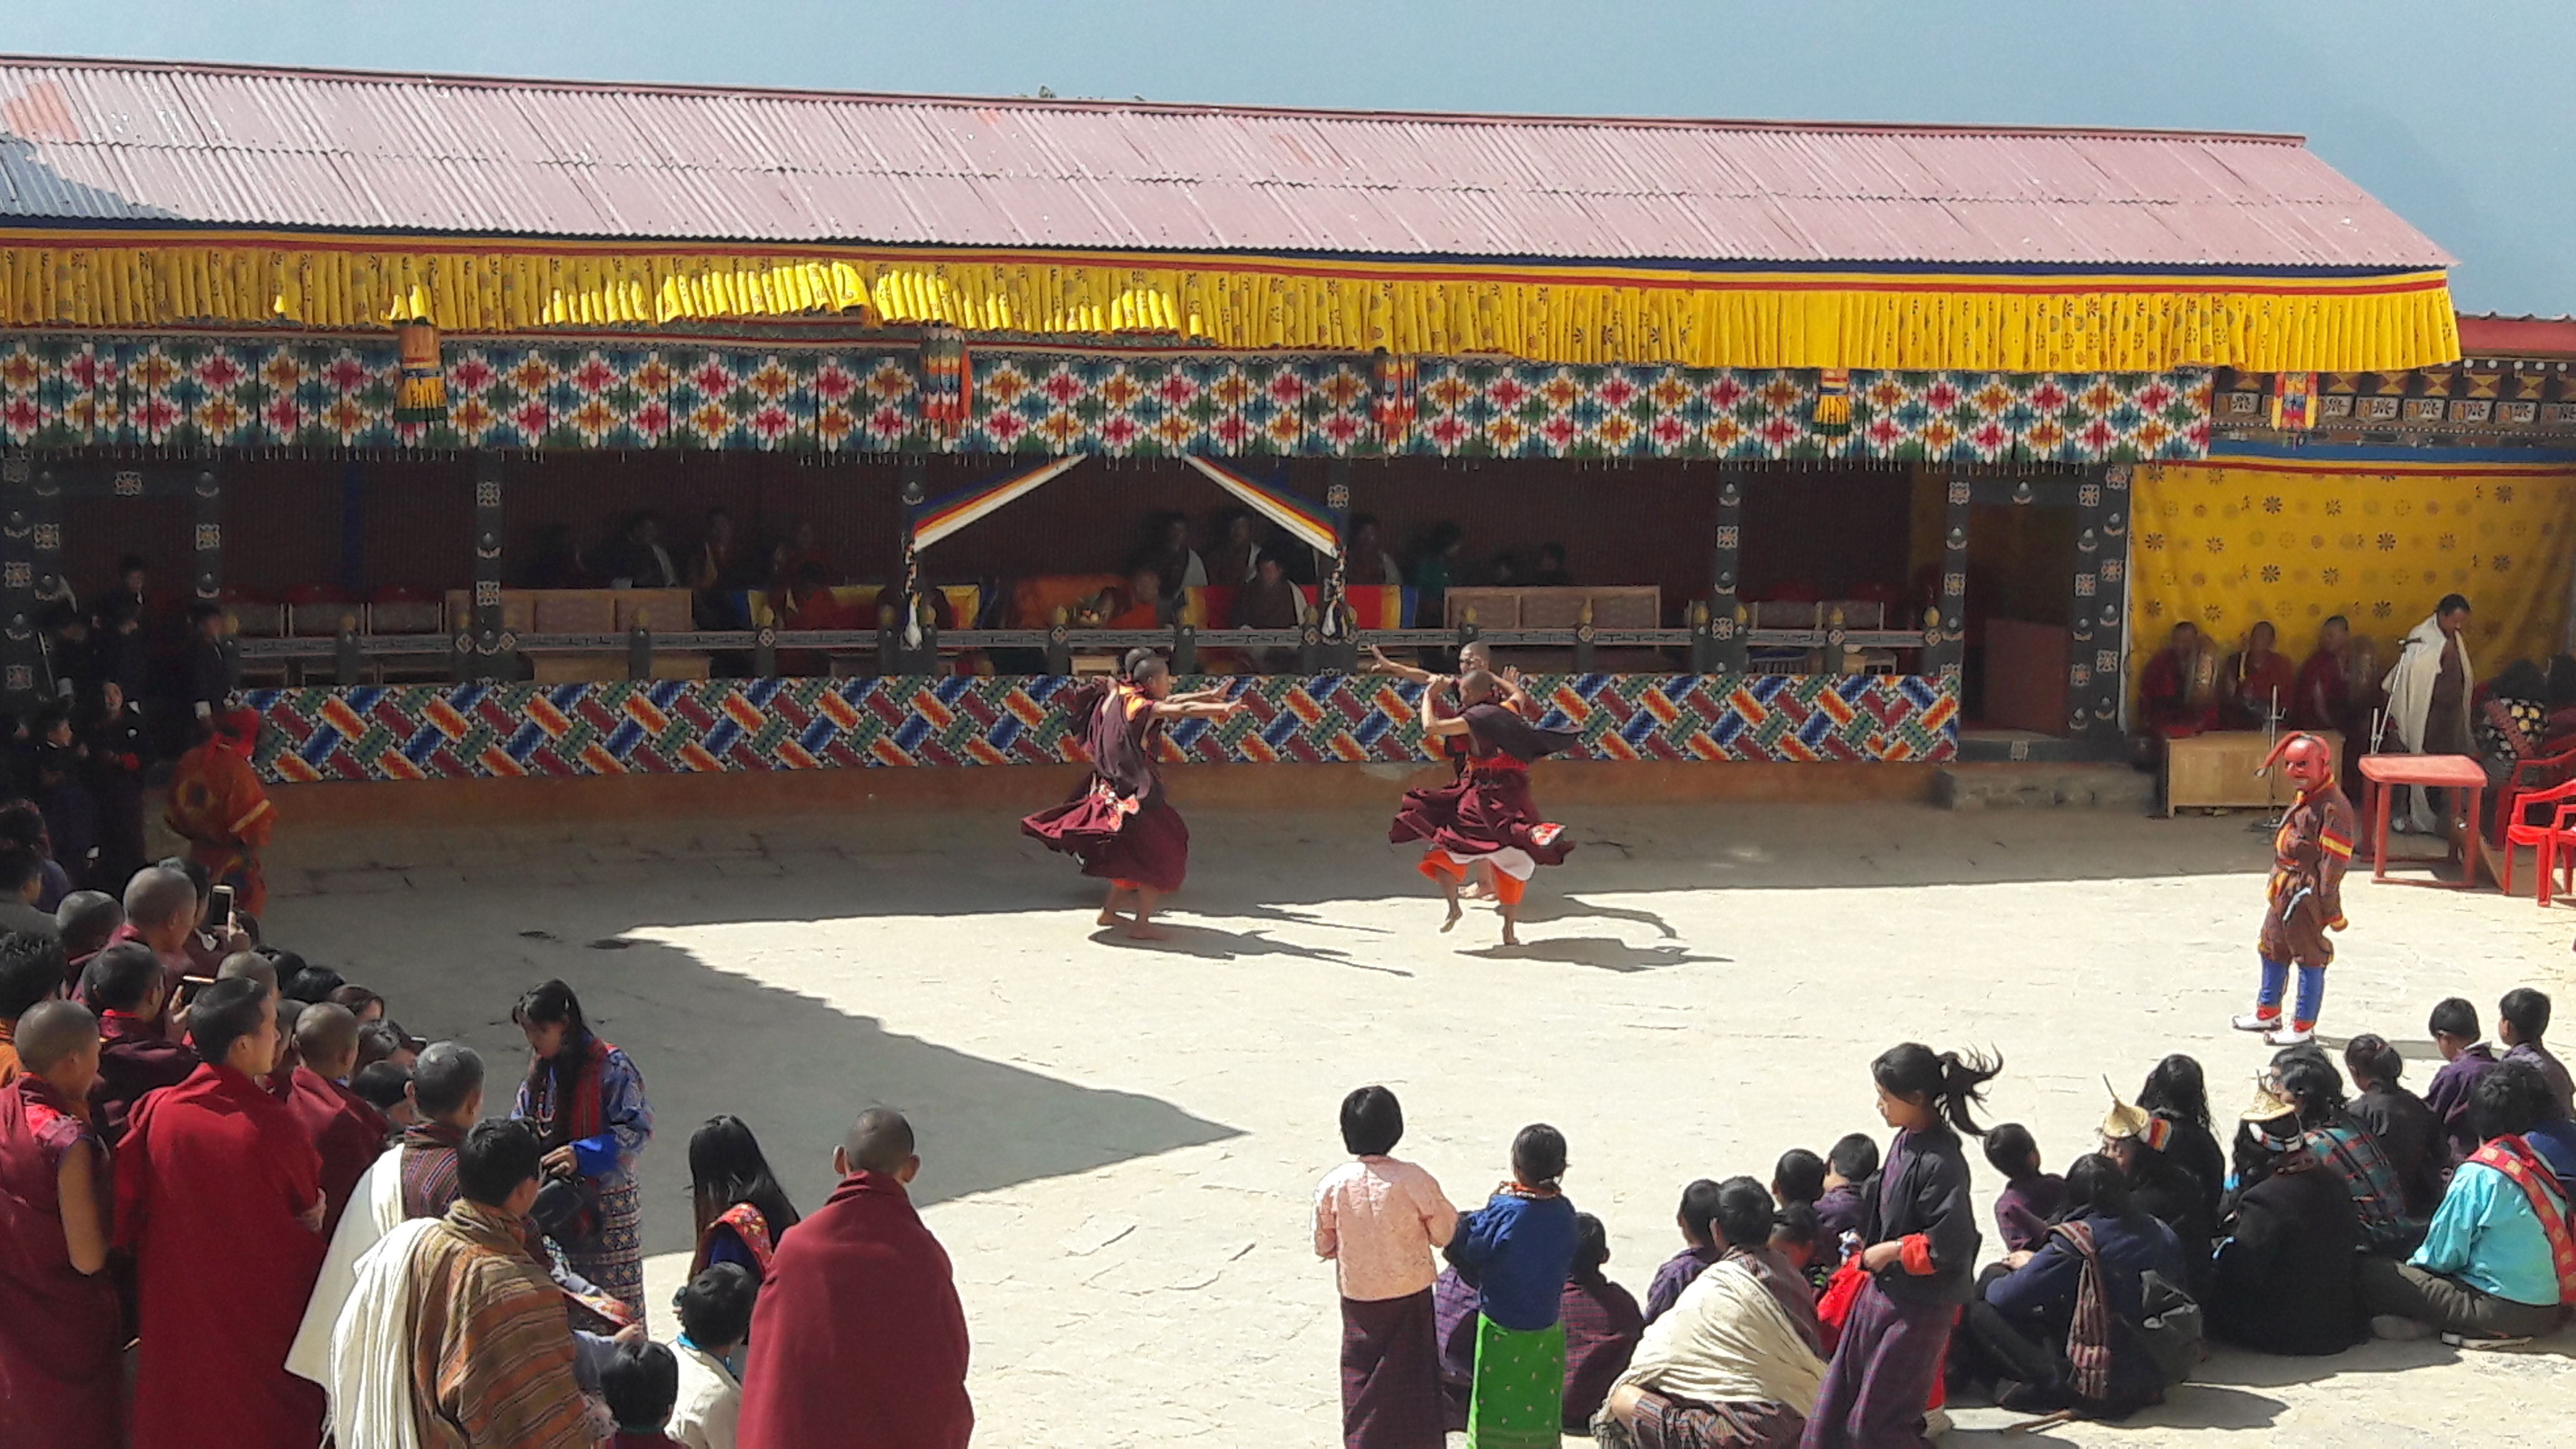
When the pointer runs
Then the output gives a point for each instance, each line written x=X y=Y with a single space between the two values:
x=2007 y=786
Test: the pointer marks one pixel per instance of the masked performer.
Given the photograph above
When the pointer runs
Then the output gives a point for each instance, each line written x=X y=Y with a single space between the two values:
x=2309 y=854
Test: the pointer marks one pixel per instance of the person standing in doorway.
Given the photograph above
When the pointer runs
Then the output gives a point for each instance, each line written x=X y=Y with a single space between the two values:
x=2428 y=700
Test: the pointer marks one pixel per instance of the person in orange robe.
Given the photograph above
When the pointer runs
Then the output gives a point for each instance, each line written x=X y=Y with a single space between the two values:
x=219 y=1201
x=62 y=1381
x=2260 y=682
x=218 y=806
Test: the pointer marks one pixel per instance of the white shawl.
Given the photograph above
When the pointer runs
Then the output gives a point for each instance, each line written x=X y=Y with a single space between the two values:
x=375 y=1209
x=370 y=1383
x=1727 y=1340
x=2410 y=680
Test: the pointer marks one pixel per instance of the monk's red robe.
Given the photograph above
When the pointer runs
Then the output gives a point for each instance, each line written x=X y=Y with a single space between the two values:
x=346 y=1130
x=61 y=1330
x=891 y=1375
x=219 y=807
x=134 y=1060
x=209 y=1184
x=2322 y=700
x=2163 y=688
x=2257 y=686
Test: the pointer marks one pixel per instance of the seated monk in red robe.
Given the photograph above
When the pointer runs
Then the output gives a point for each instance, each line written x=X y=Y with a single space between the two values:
x=62 y=1378
x=1138 y=606
x=2321 y=699
x=2165 y=704
x=858 y=1337
x=2260 y=681
x=219 y=1201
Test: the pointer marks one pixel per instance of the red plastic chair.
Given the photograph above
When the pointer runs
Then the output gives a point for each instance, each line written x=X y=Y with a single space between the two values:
x=2525 y=777
x=2547 y=841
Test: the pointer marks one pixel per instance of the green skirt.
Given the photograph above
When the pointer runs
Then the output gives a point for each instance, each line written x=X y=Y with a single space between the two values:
x=1519 y=1388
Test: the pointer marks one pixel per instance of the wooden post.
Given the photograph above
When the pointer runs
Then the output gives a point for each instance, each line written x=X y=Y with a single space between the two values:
x=889 y=642
x=639 y=652
x=23 y=656
x=1942 y=659
x=348 y=661
x=1583 y=638
x=2096 y=647
x=1726 y=549
x=206 y=577
x=1059 y=649
x=764 y=652
x=488 y=650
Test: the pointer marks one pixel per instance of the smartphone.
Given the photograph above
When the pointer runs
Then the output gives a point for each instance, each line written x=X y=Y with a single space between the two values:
x=189 y=986
x=219 y=909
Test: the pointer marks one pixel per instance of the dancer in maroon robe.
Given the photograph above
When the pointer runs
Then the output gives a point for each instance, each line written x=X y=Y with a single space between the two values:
x=219 y=1199
x=1119 y=824
x=858 y=1338
x=1486 y=815
x=61 y=1382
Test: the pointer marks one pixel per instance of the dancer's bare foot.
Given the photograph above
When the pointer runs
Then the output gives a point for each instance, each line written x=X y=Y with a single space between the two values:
x=1510 y=936
x=1455 y=912
x=1147 y=931
x=1111 y=918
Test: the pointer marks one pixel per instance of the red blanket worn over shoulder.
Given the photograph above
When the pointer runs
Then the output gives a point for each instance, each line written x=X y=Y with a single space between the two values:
x=344 y=1128
x=858 y=1340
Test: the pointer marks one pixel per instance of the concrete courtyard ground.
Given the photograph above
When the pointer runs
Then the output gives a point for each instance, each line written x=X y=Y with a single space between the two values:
x=1120 y=1141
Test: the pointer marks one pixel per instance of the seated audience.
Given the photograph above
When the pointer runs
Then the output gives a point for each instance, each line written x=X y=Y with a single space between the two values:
x=2308 y=1080
x=2322 y=697
x=2031 y=1198
x=1799 y=1176
x=2177 y=1094
x=741 y=1211
x=1367 y=563
x=1737 y=1361
x=1850 y=1168
x=1601 y=1321
x=86 y=920
x=2397 y=1120
x=1699 y=1248
x=1141 y=604
x=2175 y=700
x=2062 y=1329
x=2284 y=1282
x=1238 y=551
x=2521 y=1019
x=641 y=1385
x=62 y=1371
x=715 y=1321
x=1270 y=602
x=1795 y=1237
x=2160 y=1186
x=387 y=1088
x=2260 y=683
x=2500 y=1257
x=2454 y=1029
x=1551 y=572
x=1174 y=564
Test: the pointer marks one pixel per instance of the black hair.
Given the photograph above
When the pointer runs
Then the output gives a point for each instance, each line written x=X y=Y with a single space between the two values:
x=642 y=1386
x=1372 y=1122
x=122 y=977
x=1794 y=1225
x=21 y=823
x=1854 y=1157
x=1538 y=1155
x=381 y=1083
x=726 y=1166
x=446 y=1074
x=18 y=866
x=2095 y=1182
x=2310 y=1080
x=1699 y=1209
x=2521 y=679
x=1948 y=1083
x=31 y=969
x=552 y=1003
x=310 y=984
x=2451 y=604
x=1799 y=1176
x=2510 y=1099
x=715 y=1306
x=1739 y=1209
x=1591 y=1249
x=2528 y=1013
x=2176 y=1088
x=2010 y=1148
x=2454 y=1016
x=132 y=563
x=224 y=1013
x=378 y=1041
x=495 y=1159
x=2370 y=1055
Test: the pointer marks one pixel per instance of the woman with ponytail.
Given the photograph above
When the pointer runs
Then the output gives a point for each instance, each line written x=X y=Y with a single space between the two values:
x=1922 y=1254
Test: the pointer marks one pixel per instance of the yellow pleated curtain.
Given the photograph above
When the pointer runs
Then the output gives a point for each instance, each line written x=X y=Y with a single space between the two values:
x=2225 y=546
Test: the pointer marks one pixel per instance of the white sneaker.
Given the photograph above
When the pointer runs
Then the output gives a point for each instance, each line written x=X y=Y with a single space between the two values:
x=2474 y=1342
x=2403 y=825
x=2292 y=1035
x=2257 y=1021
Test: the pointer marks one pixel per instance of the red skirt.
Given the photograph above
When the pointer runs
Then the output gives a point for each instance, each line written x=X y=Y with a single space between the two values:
x=1483 y=812
x=1116 y=839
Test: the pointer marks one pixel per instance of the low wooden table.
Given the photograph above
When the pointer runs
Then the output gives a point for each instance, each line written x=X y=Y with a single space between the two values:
x=2440 y=772
x=2217 y=771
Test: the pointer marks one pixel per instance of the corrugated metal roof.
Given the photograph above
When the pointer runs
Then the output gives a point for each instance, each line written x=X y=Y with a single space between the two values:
x=129 y=142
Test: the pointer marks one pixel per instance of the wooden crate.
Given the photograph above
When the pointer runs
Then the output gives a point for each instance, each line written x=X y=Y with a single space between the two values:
x=2216 y=771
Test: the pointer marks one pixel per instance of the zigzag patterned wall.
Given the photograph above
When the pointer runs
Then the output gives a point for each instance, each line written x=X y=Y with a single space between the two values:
x=481 y=731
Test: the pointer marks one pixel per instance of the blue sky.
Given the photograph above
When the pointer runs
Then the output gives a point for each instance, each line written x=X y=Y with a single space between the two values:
x=2460 y=117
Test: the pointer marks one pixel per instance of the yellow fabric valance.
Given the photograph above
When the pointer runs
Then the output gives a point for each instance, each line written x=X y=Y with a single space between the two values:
x=1544 y=312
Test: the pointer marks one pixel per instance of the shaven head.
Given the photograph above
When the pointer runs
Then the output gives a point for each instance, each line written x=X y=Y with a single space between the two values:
x=53 y=1033
x=447 y=1082
x=251 y=964
x=157 y=897
x=326 y=1039
x=1475 y=685
x=880 y=1141
x=125 y=977
x=87 y=919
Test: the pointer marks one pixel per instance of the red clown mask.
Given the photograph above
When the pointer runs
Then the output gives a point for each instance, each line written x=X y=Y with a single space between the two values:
x=2307 y=760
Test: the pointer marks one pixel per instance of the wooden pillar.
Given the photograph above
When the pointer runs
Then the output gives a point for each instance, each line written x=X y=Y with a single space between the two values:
x=1725 y=552
x=206 y=577
x=2096 y=613
x=485 y=648
x=1942 y=658
x=23 y=675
